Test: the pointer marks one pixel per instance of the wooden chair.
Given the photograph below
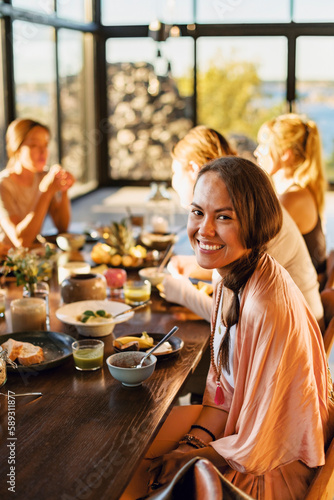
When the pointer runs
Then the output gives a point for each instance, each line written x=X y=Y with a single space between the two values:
x=330 y=270
x=327 y=298
x=322 y=487
x=329 y=337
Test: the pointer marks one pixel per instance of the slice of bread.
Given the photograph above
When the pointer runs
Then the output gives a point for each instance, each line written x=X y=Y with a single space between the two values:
x=25 y=352
x=13 y=348
x=30 y=354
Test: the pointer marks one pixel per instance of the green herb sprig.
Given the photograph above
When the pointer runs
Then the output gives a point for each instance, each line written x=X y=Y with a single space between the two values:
x=101 y=313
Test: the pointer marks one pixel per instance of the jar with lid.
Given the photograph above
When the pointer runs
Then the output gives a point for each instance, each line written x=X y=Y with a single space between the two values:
x=3 y=368
x=88 y=286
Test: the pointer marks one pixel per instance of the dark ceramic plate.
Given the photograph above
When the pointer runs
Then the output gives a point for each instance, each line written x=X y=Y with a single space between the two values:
x=56 y=347
x=175 y=342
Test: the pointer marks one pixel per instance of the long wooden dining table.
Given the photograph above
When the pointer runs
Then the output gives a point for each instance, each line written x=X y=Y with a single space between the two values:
x=84 y=437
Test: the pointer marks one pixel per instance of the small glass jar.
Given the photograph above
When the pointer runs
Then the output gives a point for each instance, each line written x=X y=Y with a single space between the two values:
x=3 y=367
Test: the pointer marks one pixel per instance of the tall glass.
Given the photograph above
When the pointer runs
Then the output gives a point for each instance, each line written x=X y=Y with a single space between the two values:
x=40 y=290
x=28 y=314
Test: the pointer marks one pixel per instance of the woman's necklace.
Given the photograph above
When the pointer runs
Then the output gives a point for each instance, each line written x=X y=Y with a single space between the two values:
x=219 y=396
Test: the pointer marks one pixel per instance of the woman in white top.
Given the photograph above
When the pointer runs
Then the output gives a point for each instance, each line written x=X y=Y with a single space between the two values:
x=28 y=191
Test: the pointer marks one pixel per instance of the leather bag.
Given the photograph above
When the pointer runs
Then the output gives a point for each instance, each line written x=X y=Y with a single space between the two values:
x=198 y=479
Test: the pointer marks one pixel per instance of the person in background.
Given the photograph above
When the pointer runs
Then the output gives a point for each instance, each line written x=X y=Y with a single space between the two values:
x=267 y=410
x=199 y=146
x=28 y=190
x=289 y=150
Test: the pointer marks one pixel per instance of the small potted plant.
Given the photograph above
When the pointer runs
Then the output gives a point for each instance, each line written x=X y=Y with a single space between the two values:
x=27 y=267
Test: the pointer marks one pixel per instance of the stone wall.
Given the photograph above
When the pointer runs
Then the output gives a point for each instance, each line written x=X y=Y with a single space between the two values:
x=147 y=116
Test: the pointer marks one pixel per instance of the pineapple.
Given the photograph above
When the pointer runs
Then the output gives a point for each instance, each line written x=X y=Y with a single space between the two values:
x=120 y=248
x=121 y=238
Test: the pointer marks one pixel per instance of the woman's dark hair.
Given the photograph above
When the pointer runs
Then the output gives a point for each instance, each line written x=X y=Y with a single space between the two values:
x=260 y=215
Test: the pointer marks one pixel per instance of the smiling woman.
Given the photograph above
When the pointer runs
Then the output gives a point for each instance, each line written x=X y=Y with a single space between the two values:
x=259 y=423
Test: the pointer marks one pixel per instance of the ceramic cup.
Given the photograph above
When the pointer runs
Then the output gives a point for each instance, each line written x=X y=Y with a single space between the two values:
x=83 y=287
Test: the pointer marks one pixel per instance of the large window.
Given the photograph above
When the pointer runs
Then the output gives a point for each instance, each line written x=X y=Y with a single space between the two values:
x=129 y=12
x=53 y=82
x=241 y=83
x=243 y=11
x=42 y=7
x=35 y=77
x=72 y=9
x=2 y=106
x=74 y=140
x=311 y=11
x=315 y=90
x=149 y=105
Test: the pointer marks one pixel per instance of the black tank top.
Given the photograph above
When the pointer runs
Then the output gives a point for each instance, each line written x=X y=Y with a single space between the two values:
x=316 y=243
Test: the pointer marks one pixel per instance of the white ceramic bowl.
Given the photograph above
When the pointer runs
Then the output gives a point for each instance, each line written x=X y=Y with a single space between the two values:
x=68 y=314
x=151 y=274
x=131 y=377
x=70 y=241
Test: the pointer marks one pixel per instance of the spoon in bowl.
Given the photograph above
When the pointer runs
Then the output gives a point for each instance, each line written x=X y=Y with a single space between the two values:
x=166 y=337
x=146 y=303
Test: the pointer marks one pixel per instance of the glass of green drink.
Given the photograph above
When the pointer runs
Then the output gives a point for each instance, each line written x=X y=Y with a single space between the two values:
x=88 y=354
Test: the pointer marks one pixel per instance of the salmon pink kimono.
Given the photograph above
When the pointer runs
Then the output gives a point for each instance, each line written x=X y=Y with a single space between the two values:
x=278 y=410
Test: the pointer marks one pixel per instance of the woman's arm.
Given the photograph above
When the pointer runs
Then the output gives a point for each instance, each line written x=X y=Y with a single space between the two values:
x=302 y=207
x=187 y=266
x=181 y=291
x=163 y=468
x=24 y=232
x=60 y=211
x=60 y=206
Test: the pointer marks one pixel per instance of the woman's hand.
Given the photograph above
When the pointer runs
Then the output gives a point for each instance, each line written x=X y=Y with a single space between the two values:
x=57 y=179
x=66 y=180
x=163 y=469
x=186 y=265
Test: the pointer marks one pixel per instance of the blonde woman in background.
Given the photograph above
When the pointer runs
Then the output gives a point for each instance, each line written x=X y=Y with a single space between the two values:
x=290 y=152
x=28 y=190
